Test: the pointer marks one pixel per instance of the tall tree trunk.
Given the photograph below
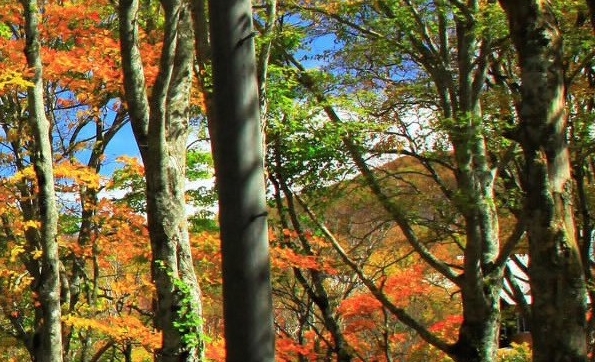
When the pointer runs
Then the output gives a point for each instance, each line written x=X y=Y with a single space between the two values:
x=160 y=125
x=555 y=270
x=482 y=282
x=247 y=301
x=47 y=341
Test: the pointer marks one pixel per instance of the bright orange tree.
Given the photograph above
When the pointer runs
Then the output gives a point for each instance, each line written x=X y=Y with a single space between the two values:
x=102 y=245
x=371 y=332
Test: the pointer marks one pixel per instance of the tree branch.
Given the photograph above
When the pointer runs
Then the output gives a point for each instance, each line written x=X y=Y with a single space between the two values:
x=400 y=313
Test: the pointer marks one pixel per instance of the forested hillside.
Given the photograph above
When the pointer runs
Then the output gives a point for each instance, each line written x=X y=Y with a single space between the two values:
x=378 y=166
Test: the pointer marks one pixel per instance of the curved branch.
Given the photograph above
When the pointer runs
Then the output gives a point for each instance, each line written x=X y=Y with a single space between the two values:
x=400 y=313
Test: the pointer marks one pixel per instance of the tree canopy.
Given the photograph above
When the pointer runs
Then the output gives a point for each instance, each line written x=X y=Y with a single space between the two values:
x=297 y=180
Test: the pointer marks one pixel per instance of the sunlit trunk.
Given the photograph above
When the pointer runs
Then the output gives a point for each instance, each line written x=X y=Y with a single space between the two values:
x=47 y=341
x=555 y=269
x=160 y=125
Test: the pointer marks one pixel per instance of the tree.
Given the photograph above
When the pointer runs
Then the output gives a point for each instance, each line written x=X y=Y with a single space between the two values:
x=424 y=35
x=556 y=272
x=238 y=157
x=310 y=277
x=405 y=162
x=578 y=78
x=160 y=124
x=73 y=106
x=47 y=341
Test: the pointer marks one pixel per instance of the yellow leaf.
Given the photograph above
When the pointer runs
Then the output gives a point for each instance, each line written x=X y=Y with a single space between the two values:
x=15 y=252
x=31 y=224
x=14 y=78
x=37 y=254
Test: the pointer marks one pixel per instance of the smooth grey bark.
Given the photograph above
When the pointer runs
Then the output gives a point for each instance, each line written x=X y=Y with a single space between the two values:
x=160 y=124
x=555 y=269
x=47 y=339
x=262 y=63
x=247 y=300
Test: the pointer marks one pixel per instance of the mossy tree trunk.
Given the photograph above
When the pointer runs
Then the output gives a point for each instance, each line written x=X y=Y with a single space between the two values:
x=555 y=269
x=160 y=125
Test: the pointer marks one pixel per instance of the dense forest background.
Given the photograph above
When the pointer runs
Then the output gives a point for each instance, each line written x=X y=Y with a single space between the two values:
x=395 y=180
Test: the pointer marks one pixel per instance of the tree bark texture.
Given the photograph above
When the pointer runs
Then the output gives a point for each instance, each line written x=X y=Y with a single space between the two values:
x=160 y=125
x=557 y=280
x=482 y=278
x=247 y=305
x=47 y=340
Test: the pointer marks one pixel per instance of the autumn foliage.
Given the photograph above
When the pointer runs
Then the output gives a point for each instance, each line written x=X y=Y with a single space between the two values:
x=382 y=177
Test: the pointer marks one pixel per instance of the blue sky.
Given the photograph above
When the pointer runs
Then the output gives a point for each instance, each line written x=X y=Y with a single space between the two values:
x=123 y=144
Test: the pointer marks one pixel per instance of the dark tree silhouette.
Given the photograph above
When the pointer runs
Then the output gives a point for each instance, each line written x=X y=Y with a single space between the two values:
x=237 y=147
